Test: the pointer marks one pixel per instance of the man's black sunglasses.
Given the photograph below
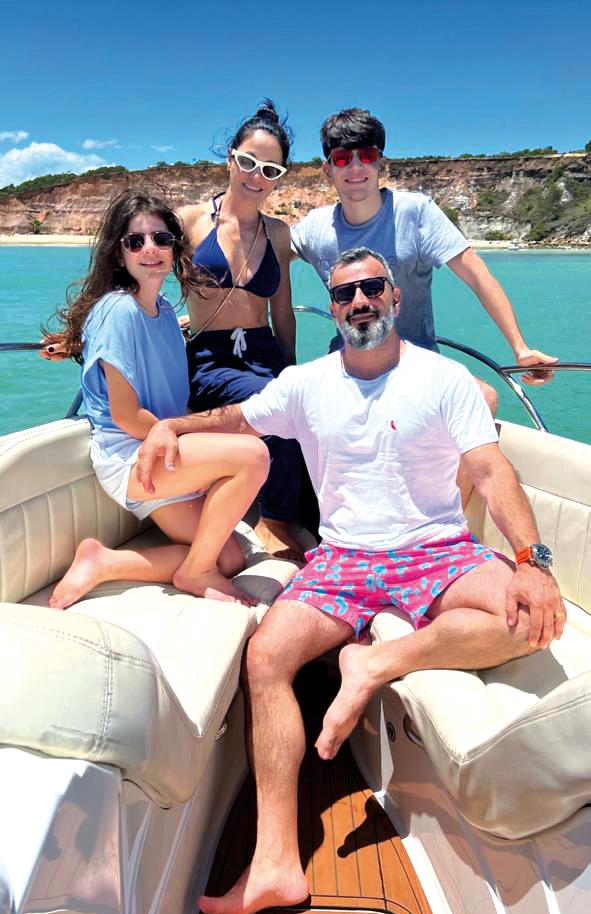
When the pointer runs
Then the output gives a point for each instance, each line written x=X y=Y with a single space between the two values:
x=371 y=288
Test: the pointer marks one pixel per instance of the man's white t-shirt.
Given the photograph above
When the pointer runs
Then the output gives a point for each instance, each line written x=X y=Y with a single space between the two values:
x=382 y=454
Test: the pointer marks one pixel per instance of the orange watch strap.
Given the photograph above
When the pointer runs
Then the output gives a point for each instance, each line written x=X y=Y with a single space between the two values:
x=524 y=555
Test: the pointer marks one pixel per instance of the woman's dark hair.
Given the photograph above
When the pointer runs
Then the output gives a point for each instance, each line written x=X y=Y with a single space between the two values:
x=107 y=270
x=352 y=128
x=265 y=118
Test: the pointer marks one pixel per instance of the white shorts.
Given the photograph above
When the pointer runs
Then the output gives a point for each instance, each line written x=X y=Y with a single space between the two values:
x=112 y=471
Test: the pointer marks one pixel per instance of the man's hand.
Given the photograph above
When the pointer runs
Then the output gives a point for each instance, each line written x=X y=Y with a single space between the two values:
x=161 y=441
x=528 y=357
x=538 y=590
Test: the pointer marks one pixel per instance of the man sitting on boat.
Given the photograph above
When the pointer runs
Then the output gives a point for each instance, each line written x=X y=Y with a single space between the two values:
x=382 y=425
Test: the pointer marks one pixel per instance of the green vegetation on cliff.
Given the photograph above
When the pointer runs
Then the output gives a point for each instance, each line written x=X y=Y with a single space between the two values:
x=559 y=206
x=67 y=177
x=492 y=200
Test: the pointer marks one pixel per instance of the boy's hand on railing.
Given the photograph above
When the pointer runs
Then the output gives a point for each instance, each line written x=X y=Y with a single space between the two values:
x=534 y=357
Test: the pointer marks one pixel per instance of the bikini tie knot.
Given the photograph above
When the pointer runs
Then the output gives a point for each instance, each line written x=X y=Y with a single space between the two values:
x=239 y=337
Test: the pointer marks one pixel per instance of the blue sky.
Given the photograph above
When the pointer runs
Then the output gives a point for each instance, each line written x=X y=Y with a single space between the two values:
x=133 y=83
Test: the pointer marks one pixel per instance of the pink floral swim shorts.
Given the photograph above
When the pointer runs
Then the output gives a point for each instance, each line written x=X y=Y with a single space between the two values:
x=355 y=586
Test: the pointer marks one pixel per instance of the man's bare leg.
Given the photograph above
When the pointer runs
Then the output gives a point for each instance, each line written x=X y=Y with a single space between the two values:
x=463 y=479
x=469 y=631
x=291 y=635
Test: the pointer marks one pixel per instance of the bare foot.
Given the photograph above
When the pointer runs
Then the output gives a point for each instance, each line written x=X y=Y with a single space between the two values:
x=211 y=584
x=90 y=567
x=259 y=887
x=358 y=685
x=277 y=540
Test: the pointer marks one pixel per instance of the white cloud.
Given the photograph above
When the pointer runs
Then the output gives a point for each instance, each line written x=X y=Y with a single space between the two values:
x=100 y=144
x=15 y=136
x=37 y=159
x=162 y=148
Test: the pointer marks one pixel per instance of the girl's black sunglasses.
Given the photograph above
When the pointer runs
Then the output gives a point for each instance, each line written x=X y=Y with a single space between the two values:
x=135 y=241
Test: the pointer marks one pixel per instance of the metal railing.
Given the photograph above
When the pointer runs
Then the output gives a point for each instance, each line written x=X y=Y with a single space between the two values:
x=504 y=372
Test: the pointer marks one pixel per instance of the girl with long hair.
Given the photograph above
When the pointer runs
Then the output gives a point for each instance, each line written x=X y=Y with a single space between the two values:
x=127 y=338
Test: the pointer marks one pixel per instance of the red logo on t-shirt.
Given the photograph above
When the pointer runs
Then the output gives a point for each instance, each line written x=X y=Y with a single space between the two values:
x=392 y=424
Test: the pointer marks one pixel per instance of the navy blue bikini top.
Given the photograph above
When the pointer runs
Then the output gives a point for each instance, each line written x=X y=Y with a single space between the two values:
x=209 y=257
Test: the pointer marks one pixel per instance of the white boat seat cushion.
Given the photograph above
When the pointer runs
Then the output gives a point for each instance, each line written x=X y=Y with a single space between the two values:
x=136 y=675
x=509 y=743
x=141 y=680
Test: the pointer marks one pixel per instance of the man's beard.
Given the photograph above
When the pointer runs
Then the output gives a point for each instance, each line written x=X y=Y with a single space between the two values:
x=373 y=334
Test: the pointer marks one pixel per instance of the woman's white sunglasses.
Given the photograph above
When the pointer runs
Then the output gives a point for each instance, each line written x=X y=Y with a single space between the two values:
x=269 y=170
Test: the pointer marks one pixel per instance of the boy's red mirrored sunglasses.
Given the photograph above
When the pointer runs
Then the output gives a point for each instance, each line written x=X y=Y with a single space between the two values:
x=367 y=155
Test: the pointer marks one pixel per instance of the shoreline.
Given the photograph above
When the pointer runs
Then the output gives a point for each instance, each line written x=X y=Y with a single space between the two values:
x=62 y=240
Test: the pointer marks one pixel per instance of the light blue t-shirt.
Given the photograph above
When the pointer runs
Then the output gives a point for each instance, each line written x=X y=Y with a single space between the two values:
x=148 y=351
x=409 y=231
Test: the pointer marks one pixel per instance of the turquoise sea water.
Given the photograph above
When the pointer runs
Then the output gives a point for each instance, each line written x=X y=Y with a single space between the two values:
x=551 y=293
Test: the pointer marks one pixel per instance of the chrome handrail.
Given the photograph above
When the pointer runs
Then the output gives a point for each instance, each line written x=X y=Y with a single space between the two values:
x=503 y=371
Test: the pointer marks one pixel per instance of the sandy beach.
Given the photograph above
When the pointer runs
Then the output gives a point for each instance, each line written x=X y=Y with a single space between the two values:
x=84 y=240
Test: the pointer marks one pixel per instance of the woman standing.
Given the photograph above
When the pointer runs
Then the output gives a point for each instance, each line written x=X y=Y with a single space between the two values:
x=232 y=352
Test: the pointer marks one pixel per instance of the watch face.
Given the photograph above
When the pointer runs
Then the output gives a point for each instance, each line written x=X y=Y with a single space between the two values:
x=541 y=555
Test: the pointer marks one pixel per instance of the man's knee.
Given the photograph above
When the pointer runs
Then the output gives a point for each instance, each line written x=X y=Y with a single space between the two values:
x=272 y=654
x=490 y=395
x=260 y=663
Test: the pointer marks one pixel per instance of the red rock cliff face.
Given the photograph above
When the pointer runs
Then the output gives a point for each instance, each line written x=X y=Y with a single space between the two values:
x=76 y=208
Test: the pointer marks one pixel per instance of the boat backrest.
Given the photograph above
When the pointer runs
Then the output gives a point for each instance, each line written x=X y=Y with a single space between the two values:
x=49 y=501
x=555 y=474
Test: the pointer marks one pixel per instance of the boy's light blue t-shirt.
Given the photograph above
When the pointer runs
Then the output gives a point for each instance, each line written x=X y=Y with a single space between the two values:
x=409 y=231
x=148 y=351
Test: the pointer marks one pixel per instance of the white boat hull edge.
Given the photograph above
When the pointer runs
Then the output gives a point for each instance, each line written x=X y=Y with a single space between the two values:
x=83 y=840
x=463 y=869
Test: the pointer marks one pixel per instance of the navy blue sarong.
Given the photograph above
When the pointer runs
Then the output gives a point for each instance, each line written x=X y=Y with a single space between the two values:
x=229 y=366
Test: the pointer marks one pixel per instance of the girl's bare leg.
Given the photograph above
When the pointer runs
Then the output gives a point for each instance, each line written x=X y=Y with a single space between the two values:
x=94 y=563
x=234 y=467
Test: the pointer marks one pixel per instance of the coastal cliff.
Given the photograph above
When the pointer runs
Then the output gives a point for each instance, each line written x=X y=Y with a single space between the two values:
x=531 y=199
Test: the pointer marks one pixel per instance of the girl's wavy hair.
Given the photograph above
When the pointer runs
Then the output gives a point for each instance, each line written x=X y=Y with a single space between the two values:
x=107 y=271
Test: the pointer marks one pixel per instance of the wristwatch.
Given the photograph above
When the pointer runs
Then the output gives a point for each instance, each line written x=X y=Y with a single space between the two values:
x=537 y=554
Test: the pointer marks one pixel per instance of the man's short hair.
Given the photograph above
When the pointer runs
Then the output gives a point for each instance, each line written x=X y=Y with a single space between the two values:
x=357 y=255
x=352 y=128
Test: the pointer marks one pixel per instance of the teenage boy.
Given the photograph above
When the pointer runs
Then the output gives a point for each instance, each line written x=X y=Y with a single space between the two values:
x=408 y=229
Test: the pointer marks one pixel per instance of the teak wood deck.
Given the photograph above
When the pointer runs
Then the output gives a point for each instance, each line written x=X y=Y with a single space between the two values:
x=351 y=853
